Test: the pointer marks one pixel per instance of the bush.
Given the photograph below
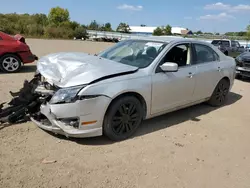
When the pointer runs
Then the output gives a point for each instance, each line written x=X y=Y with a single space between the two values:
x=58 y=32
x=158 y=31
x=35 y=30
x=80 y=32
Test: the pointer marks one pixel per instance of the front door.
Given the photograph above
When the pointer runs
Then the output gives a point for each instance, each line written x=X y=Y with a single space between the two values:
x=174 y=89
x=236 y=49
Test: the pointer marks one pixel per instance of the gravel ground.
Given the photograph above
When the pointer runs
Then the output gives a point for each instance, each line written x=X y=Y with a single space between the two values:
x=194 y=147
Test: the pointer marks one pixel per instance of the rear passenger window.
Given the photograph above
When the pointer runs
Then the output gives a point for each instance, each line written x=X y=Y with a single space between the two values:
x=225 y=43
x=234 y=44
x=205 y=54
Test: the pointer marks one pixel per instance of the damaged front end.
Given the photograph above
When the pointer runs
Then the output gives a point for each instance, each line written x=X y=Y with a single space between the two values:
x=27 y=101
x=60 y=98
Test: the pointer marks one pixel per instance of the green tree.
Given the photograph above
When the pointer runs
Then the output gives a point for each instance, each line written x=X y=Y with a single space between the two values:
x=59 y=32
x=123 y=28
x=230 y=33
x=158 y=32
x=248 y=33
x=199 y=32
x=40 y=19
x=242 y=33
x=80 y=32
x=108 y=27
x=84 y=26
x=58 y=15
x=74 y=25
x=168 y=30
x=94 y=26
x=105 y=27
x=38 y=25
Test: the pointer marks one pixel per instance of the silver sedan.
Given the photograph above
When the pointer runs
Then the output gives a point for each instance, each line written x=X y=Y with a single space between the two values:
x=112 y=92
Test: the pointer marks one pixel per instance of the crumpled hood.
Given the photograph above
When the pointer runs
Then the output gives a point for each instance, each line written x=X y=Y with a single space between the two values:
x=68 y=69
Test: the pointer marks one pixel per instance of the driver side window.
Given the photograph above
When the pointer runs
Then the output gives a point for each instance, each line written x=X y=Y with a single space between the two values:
x=180 y=54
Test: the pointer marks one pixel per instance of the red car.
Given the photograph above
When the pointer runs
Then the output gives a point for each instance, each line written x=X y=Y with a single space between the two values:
x=14 y=52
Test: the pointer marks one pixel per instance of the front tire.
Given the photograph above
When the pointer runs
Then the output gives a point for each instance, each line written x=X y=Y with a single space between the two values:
x=220 y=93
x=123 y=118
x=10 y=63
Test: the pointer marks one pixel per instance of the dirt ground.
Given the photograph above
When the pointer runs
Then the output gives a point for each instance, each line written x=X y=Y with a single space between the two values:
x=197 y=147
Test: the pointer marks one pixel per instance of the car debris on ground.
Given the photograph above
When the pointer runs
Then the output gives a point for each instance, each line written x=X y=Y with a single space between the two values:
x=24 y=103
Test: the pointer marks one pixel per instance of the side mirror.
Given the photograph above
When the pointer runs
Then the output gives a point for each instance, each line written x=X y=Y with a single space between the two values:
x=242 y=47
x=169 y=67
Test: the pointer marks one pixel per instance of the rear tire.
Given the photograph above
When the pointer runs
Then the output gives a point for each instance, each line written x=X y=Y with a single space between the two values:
x=10 y=63
x=220 y=93
x=123 y=118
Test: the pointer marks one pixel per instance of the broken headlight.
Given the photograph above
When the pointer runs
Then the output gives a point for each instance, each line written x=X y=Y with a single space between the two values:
x=66 y=95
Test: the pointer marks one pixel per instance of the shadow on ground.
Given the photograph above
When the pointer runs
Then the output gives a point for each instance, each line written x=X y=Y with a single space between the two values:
x=24 y=69
x=162 y=122
x=180 y=116
x=157 y=123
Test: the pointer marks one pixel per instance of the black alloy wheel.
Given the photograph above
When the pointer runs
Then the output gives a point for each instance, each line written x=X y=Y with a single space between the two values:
x=220 y=93
x=123 y=118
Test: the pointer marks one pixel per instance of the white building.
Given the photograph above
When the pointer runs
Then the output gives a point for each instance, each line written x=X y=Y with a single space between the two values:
x=142 y=30
x=180 y=31
x=149 y=30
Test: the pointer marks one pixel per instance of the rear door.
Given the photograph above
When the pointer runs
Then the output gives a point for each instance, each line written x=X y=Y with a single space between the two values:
x=208 y=71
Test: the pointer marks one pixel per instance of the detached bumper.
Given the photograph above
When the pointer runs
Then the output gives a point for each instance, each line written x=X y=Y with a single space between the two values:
x=243 y=71
x=58 y=118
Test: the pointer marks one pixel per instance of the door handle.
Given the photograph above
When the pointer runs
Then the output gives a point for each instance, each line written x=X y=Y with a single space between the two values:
x=219 y=69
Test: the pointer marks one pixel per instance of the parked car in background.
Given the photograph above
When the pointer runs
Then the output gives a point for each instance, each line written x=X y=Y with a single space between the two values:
x=229 y=47
x=112 y=92
x=14 y=52
x=243 y=65
x=81 y=37
x=248 y=47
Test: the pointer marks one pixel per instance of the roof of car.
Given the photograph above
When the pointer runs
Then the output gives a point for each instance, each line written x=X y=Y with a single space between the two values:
x=222 y=39
x=168 y=39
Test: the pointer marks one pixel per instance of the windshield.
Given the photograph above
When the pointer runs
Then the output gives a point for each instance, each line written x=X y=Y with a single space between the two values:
x=138 y=53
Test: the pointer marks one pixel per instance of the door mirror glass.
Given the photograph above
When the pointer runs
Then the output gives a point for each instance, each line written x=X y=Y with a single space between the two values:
x=169 y=67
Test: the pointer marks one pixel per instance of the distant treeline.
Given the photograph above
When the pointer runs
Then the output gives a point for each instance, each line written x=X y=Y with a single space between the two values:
x=56 y=25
